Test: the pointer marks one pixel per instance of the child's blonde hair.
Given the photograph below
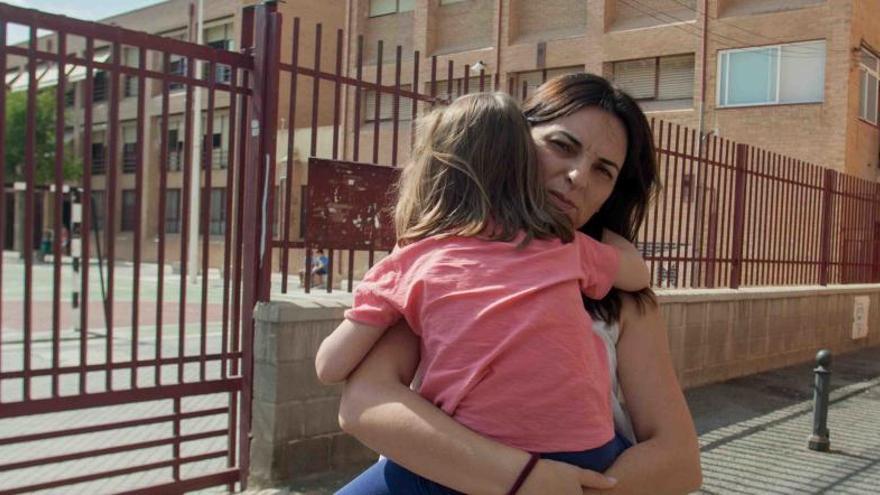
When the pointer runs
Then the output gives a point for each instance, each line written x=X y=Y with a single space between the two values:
x=474 y=172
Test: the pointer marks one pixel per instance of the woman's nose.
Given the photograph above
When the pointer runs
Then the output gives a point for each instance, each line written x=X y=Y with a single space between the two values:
x=577 y=177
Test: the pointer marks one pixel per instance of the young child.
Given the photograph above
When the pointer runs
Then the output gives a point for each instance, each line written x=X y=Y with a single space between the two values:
x=490 y=274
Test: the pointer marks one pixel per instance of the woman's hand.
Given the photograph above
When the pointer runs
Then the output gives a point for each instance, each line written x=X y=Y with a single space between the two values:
x=560 y=478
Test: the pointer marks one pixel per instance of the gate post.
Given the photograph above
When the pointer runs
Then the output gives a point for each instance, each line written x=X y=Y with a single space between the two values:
x=825 y=239
x=259 y=176
x=739 y=209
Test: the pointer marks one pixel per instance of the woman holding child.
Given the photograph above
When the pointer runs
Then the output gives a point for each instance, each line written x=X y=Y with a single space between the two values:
x=491 y=284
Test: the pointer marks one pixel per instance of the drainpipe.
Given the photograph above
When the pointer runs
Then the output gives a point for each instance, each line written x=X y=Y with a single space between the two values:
x=498 y=47
x=705 y=40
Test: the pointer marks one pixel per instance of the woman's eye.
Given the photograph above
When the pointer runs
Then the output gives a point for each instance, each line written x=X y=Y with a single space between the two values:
x=604 y=171
x=562 y=145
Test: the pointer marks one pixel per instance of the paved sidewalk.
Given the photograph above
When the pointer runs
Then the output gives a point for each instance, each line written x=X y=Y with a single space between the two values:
x=753 y=433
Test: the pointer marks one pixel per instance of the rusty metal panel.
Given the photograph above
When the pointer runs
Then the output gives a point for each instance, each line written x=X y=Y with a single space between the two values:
x=349 y=205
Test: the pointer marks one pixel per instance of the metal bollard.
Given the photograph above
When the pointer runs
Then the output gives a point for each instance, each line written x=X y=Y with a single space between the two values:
x=819 y=439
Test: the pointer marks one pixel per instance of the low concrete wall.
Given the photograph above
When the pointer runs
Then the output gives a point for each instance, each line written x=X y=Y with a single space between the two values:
x=714 y=335
x=718 y=334
x=295 y=432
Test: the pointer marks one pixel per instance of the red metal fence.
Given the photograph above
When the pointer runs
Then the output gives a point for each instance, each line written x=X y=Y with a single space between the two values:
x=728 y=215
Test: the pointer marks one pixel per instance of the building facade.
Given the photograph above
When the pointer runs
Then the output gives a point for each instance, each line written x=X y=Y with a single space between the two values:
x=797 y=77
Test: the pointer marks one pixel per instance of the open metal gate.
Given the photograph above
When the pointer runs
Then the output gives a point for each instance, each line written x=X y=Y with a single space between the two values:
x=130 y=376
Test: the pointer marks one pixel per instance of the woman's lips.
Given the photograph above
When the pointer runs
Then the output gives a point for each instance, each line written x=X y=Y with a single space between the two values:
x=562 y=202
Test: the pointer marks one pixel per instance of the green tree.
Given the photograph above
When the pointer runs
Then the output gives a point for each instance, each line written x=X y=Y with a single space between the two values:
x=16 y=128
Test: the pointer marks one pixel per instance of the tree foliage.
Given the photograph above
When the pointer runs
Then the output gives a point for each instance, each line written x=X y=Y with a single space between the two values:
x=44 y=142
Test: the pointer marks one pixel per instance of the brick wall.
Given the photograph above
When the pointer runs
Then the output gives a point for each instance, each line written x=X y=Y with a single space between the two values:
x=714 y=335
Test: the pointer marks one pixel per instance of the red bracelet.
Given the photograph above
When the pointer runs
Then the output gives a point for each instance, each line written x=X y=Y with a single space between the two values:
x=524 y=474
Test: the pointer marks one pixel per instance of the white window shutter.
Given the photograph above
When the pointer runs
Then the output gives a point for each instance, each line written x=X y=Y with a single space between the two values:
x=676 y=78
x=636 y=77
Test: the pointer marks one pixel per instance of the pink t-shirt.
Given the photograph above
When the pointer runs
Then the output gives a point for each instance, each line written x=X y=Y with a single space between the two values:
x=506 y=343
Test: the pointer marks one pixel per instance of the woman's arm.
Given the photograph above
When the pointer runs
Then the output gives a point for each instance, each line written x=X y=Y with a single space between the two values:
x=667 y=458
x=380 y=410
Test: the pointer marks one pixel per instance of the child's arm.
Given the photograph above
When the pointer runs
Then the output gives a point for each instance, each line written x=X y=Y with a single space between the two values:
x=633 y=274
x=342 y=351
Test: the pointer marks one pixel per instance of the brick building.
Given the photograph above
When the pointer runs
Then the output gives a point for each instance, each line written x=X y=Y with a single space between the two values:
x=222 y=26
x=798 y=77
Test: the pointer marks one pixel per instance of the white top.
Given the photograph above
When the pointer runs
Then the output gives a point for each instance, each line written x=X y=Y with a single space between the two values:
x=610 y=335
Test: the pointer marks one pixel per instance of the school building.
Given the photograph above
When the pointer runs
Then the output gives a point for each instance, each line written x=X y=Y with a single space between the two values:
x=797 y=77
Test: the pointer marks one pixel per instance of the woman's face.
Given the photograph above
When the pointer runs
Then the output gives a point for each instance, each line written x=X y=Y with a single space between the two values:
x=580 y=157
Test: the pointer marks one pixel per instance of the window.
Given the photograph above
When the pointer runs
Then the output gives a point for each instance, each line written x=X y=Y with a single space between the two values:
x=129 y=149
x=130 y=84
x=99 y=87
x=525 y=83
x=657 y=79
x=220 y=38
x=172 y=211
x=175 y=151
x=217 y=212
x=449 y=91
x=869 y=67
x=386 y=106
x=177 y=68
x=97 y=208
x=385 y=7
x=70 y=95
x=769 y=75
x=99 y=159
x=129 y=212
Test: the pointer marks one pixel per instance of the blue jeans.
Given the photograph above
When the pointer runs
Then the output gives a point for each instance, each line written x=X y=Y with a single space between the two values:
x=388 y=478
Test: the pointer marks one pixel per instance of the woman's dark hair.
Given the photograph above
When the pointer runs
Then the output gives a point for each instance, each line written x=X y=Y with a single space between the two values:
x=626 y=207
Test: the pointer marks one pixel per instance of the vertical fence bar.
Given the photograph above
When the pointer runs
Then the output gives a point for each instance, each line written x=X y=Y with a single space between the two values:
x=377 y=112
x=433 y=84
x=800 y=227
x=288 y=185
x=664 y=261
x=208 y=164
x=231 y=171
x=56 y=214
x=86 y=225
x=656 y=221
x=316 y=88
x=415 y=101
x=161 y=227
x=778 y=194
x=270 y=137
x=679 y=198
x=110 y=209
x=186 y=194
x=395 y=105
x=675 y=222
x=2 y=175
x=751 y=189
x=764 y=239
x=267 y=27
x=825 y=237
x=790 y=250
x=337 y=93
x=328 y=284
x=739 y=207
x=29 y=171
x=728 y=189
x=691 y=200
x=138 y=207
x=712 y=245
x=359 y=77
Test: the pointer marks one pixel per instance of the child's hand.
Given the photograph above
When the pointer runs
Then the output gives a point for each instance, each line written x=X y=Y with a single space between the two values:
x=561 y=478
x=633 y=274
